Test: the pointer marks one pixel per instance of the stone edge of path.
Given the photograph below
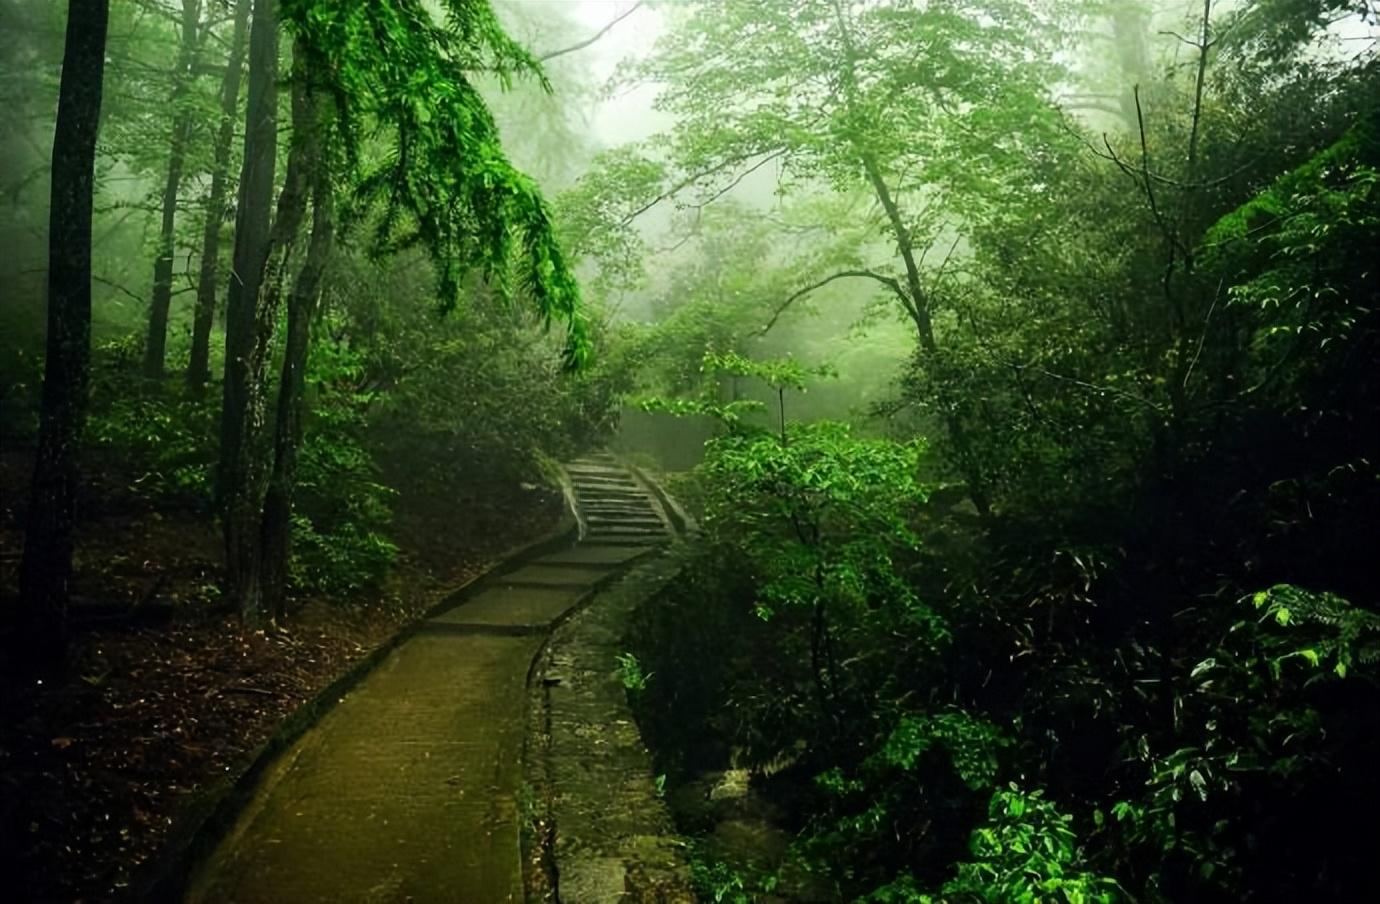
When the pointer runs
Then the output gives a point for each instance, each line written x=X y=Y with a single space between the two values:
x=565 y=858
x=210 y=813
x=680 y=519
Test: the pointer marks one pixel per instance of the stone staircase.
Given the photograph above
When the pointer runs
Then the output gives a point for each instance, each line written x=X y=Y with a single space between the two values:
x=614 y=507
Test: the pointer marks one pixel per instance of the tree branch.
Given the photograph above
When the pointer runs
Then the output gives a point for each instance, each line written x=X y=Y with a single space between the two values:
x=705 y=202
x=890 y=282
x=692 y=179
x=595 y=37
x=114 y=285
x=1203 y=49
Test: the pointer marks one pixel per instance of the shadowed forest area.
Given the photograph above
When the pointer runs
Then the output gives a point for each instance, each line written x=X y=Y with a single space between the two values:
x=1016 y=361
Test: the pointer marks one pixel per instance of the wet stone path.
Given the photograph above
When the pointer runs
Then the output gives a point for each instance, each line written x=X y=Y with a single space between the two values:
x=407 y=789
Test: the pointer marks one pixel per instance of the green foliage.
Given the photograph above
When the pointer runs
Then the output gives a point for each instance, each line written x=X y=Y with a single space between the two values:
x=630 y=673
x=719 y=881
x=1290 y=254
x=972 y=745
x=347 y=558
x=343 y=511
x=476 y=396
x=443 y=183
x=1027 y=853
x=1275 y=30
x=162 y=442
x=1147 y=336
x=595 y=216
x=818 y=515
x=1338 y=635
x=1160 y=361
x=778 y=375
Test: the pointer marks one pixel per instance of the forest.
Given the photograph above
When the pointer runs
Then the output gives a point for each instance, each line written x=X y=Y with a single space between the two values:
x=1011 y=366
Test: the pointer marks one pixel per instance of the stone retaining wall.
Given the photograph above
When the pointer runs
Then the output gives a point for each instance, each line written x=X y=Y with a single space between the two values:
x=608 y=836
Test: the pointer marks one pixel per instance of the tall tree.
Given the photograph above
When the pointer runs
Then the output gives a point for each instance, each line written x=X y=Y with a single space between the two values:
x=443 y=183
x=47 y=564
x=247 y=330
x=255 y=466
x=199 y=364
x=155 y=349
x=900 y=101
x=301 y=311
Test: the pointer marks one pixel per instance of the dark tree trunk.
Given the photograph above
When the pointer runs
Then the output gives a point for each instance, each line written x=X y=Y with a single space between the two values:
x=250 y=470
x=199 y=365
x=302 y=306
x=919 y=311
x=239 y=483
x=47 y=565
x=155 y=349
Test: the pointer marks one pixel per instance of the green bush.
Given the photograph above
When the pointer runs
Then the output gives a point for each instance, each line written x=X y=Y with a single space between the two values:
x=160 y=438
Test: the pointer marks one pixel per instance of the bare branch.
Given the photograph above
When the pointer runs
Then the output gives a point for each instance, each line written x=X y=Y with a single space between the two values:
x=1202 y=338
x=1093 y=387
x=114 y=285
x=595 y=37
x=705 y=202
x=1198 y=88
x=691 y=180
x=939 y=275
x=1170 y=235
x=890 y=282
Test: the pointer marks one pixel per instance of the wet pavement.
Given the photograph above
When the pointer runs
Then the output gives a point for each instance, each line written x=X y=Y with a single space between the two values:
x=409 y=788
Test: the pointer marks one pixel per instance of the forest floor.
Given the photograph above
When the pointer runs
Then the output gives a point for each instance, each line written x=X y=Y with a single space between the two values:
x=165 y=692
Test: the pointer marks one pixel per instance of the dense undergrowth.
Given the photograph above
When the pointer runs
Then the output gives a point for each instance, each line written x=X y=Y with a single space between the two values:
x=1000 y=719
x=1144 y=666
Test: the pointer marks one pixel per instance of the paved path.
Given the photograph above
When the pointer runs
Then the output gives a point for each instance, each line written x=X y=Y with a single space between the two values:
x=407 y=790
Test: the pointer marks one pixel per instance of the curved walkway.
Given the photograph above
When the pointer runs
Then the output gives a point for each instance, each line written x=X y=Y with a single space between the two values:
x=408 y=790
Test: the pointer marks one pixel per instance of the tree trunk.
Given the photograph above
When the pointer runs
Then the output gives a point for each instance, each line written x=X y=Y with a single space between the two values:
x=47 y=564
x=199 y=365
x=919 y=306
x=924 y=327
x=155 y=349
x=248 y=472
x=302 y=307
x=242 y=412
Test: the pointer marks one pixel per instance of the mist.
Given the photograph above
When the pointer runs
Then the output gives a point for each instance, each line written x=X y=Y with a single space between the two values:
x=793 y=451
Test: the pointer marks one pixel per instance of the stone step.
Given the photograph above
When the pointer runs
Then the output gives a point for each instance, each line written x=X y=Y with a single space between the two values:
x=595 y=517
x=605 y=519
x=599 y=471
x=623 y=542
x=539 y=574
x=625 y=499
x=601 y=536
x=611 y=493
x=586 y=556
x=608 y=487
x=603 y=460
x=650 y=522
x=601 y=484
